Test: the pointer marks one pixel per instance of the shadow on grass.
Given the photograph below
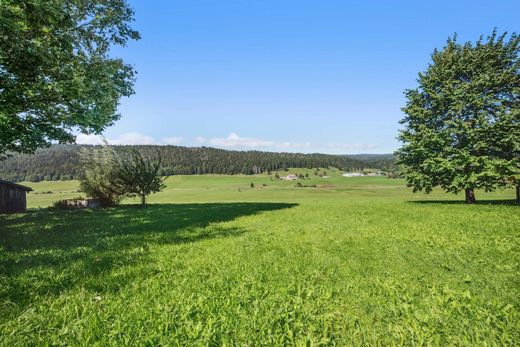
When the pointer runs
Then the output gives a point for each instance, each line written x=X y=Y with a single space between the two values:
x=47 y=252
x=462 y=202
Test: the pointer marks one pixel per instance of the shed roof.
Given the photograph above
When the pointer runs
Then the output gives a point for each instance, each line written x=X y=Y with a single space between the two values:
x=27 y=189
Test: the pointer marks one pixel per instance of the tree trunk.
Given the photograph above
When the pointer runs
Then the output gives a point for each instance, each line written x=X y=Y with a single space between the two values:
x=518 y=194
x=470 y=196
x=143 y=200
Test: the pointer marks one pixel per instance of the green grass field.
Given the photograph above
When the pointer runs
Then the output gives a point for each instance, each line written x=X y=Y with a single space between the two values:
x=212 y=261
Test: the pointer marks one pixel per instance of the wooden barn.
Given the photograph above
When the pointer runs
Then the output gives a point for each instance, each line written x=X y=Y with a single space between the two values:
x=13 y=197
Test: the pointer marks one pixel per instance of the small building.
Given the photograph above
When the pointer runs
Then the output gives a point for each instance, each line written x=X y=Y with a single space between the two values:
x=82 y=203
x=290 y=177
x=13 y=197
x=352 y=174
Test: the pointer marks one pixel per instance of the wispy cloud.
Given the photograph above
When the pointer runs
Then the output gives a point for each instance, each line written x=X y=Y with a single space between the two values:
x=172 y=140
x=131 y=138
x=235 y=141
x=232 y=141
x=84 y=139
x=200 y=140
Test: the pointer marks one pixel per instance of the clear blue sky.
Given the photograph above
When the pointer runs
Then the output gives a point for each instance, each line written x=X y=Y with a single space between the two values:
x=286 y=75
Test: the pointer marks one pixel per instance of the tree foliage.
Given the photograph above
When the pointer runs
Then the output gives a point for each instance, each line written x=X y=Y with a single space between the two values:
x=111 y=176
x=56 y=74
x=139 y=175
x=100 y=175
x=462 y=124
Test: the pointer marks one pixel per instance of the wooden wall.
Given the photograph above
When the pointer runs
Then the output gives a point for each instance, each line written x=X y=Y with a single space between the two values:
x=12 y=199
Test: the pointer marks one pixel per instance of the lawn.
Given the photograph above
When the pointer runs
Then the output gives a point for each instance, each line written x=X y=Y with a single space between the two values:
x=212 y=261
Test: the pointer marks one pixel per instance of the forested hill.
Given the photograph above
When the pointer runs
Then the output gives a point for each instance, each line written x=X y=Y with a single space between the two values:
x=380 y=161
x=61 y=162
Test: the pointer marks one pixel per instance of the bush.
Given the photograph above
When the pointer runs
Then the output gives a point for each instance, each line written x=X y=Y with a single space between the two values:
x=99 y=179
x=110 y=177
x=300 y=185
x=60 y=205
x=138 y=175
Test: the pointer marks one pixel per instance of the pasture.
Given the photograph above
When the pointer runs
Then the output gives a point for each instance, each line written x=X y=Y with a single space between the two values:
x=213 y=261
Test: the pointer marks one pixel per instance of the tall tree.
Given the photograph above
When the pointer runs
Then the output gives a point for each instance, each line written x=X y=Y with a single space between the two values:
x=462 y=122
x=139 y=175
x=56 y=74
x=100 y=174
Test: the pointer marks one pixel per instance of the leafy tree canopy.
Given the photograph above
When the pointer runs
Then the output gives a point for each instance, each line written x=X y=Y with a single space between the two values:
x=139 y=175
x=100 y=175
x=462 y=125
x=56 y=74
x=111 y=176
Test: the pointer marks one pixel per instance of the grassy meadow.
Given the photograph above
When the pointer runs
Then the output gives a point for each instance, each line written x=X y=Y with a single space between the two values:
x=212 y=261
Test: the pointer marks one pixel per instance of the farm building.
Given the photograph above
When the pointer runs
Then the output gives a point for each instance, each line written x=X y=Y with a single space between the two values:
x=352 y=174
x=81 y=203
x=13 y=197
x=290 y=177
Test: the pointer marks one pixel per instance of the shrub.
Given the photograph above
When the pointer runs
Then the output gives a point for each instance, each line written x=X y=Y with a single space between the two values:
x=139 y=176
x=60 y=205
x=100 y=175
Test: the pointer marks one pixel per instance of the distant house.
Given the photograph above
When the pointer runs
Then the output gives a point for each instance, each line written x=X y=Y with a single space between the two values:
x=82 y=203
x=13 y=197
x=290 y=177
x=352 y=174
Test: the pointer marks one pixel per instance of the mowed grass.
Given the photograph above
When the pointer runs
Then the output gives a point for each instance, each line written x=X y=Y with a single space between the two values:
x=212 y=261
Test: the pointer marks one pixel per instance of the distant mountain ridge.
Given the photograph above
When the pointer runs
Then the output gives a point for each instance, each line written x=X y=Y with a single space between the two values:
x=61 y=162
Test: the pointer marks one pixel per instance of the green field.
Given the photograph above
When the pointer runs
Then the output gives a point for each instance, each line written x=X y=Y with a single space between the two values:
x=212 y=261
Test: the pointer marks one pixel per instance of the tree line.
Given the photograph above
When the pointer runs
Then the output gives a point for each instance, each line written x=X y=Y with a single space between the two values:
x=63 y=162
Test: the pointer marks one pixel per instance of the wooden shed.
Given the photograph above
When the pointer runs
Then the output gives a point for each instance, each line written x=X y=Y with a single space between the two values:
x=13 y=197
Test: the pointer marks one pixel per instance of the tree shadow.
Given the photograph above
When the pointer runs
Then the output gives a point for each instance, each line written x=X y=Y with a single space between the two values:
x=462 y=202
x=48 y=252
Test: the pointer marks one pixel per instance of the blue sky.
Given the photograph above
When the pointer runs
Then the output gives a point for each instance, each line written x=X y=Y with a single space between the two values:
x=286 y=75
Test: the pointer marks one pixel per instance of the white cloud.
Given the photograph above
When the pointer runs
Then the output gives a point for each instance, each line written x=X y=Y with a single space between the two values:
x=89 y=139
x=232 y=141
x=200 y=140
x=133 y=139
x=235 y=141
x=130 y=138
x=172 y=140
x=289 y=145
x=355 y=146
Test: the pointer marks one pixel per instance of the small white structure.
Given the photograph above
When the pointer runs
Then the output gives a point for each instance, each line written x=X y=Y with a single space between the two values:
x=82 y=203
x=290 y=177
x=352 y=174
